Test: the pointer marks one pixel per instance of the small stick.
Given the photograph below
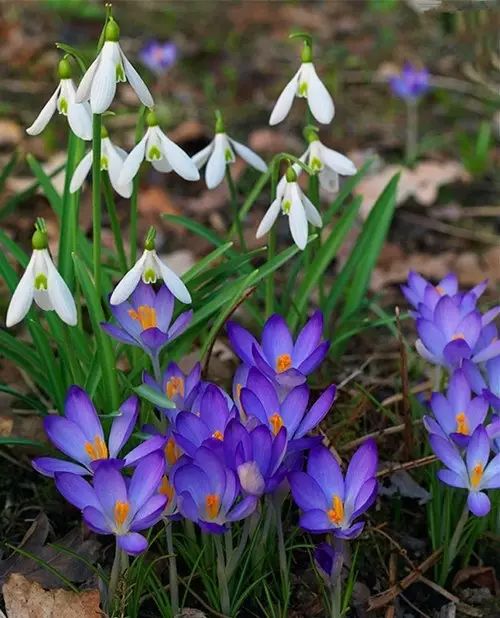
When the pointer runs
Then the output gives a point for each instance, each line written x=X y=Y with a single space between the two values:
x=390 y=611
x=409 y=465
x=425 y=386
x=387 y=431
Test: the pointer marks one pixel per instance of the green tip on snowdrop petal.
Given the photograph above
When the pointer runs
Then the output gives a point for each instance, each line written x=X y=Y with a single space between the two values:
x=291 y=175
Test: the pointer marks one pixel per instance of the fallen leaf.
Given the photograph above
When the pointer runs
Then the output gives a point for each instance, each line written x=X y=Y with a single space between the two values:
x=477 y=576
x=154 y=201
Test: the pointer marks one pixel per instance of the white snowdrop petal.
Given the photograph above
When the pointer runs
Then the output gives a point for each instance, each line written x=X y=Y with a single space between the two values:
x=59 y=293
x=297 y=219
x=129 y=282
x=249 y=156
x=329 y=180
x=200 y=158
x=285 y=100
x=83 y=90
x=23 y=296
x=162 y=165
x=115 y=165
x=179 y=160
x=216 y=166
x=81 y=172
x=318 y=97
x=135 y=80
x=45 y=115
x=103 y=86
x=133 y=161
x=42 y=299
x=269 y=218
x=338 y=162
x=311 y=211
x=173 y=282
x=80 y=120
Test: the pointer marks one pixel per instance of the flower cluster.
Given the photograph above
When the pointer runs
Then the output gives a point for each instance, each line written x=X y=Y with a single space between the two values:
x=464 y=426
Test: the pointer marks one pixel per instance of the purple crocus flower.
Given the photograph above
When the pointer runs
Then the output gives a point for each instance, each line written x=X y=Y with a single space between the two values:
x=208 y=493
x=145 y=319
x=79 y=434
x=411 y=83
x=330 y=503
x=458 y=414
x=278 y=357
x=328 y=561
x=158 y=57
x=179 y=387
x=115 y=506
x=260 y=399
x=489 y=388
x=475 y=473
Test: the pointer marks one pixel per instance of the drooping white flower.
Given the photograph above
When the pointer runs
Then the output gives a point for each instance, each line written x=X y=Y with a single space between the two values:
x=112 y=159
x=63 y=100
x=41 y=283
x=292 y=202
x=306 y=84
x=149 y=268
x=220 y=152
x=111 y=66
x=163 y=154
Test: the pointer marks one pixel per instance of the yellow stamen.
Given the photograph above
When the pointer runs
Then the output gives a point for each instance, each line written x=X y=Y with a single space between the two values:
x=283 y=362
x=145 y=315
x=212 y=506
x=276 y=422
x=96 y=449
x=462 y=424
x=121 y=512
x=440 y=290
x=476 y=475
x=175 y=386
x=336 y=513
x=458 y=336
x=172 y=451
x=166 y=489
x=218 y=435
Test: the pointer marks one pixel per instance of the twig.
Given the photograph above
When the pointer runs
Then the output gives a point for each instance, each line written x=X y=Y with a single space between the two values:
x=399 y=396
x=390 y=611
x=409 y=465
x=450 y=230
x=387 y=431
x=402 y=551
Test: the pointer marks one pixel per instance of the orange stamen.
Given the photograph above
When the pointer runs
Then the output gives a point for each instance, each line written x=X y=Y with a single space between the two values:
x=145 y=315
x=121 y=512
x=218 y=435
x=458 y=336
x=462 y=424
x=276 y=422
x=283 y=362
x=336 y=513
x=175 y=386
x=172 y=451
x=476 y=475
x=96 y=449
x=440 y=289
x=212 y=506
x=166 y=489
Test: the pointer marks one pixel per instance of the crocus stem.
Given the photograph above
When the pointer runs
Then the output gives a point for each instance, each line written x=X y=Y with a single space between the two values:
x=336 y=598
x=155 y=361
x=281 y=548
x=172 y=571
x=96 y=200
x=451 y=550
x=116 y=571
x=222 y=577
x=271 y=248
x=233 y=193
x=411 y=131
x=236 y=554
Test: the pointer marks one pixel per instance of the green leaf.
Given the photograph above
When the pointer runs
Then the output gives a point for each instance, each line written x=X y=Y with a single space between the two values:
x=14 y=441
x=153 y=396
x=50 y=364
x=76 y=55
x=46 y=184
x=347 y=188
x=8 y=168
x=202 y=264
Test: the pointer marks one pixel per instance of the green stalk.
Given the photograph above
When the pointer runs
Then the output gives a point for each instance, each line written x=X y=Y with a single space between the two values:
x=271 y=248
x=116 y=571
x=222 y=577
x=115 y=224
x=233 y=193
x=282 y=553
x=451 y=550
x=96 y=200
x=172 y=571
x=139 y=130
x=411 y=147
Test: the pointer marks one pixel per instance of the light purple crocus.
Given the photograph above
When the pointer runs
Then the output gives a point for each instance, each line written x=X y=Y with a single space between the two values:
x=488 y=387
x=475 y=473
x=329 y=562
x=80 y=436
x=145 y=319
x=458 y=414
x=411 y=83
x=179 y=387
x=114 y=505
x=328 y=502
x=278 y=357
x=208 y=493
x=158 y=57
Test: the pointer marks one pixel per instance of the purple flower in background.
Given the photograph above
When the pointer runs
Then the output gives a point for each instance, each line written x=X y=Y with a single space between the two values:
x=278 y=357
x=207 y=493
x=158 y=57
x=489 y=388
x=411 y=83
x=475 y=473
x=458 y=414
x=79 y=434
x=114 y=505
x=145 y=319
x=179 y=387
x=330 y=503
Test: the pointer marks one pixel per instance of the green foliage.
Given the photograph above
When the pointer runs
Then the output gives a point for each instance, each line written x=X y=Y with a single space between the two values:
x=475 y=152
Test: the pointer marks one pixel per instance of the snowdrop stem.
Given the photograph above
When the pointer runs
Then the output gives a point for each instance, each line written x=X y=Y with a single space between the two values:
x=115 y=224
x=139 y=130
x=271 y=247
x=234 y=206
x=96 y=200
x=411 y=131
x=172 y=571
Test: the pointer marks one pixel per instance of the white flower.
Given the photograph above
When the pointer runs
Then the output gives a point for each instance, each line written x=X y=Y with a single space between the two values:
x=305 y=83
x=112 y=159
x=292 y=202
x=111 y=66
x=163 y=154
x=63 y=100
x=42 y=283
x=219 y=153
x=328 y=163
x=150 y=268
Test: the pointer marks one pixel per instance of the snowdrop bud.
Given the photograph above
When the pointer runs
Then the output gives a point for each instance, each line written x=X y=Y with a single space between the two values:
x=291 y=174
x=104 y=132
x=39 y=240
x=306 y=55
x=64 y=69
x=112 y=32
x=311 y=134
x=149 y=242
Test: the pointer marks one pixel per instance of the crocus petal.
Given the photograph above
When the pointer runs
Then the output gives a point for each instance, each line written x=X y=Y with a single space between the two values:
x=110 y=487
x=180 y=324
x=249 y=156
x=315 y=359
x=123 y=425
x=292 y=409
x=76 y=490
x=455 y=351
x=173 y=282
x=350 y=533
x=448 y=454
x=156 y=443
x=135 y=80
x=79 y=409
x=103 y=88
x=150 y=513
x=319 y=99
x=308 y=338
x=146 y=479
x=478 y=503
x=95 y=520
x=448 y=477
x=276 y=339
x=59 y=294
x=118 y=333
x=489 y=352
x=178 y=159
x=269 y=218
x=241 y=342
x=81 y=172
x=129 y=282
x=323 y=467
x=243 y=509
x=362 y=467
x=216 y=165
x=48 y=466
x=285 y=100
x=45 y=115
x=132 y=543
x=297 y=219
x=315 y=521
x=133 y=162
x=252 y=406
x=306 y=492
x=478 y=450
x=317 y=412
x=67 y=437
x=23 y=295
x=200 y=158
x=491 y=476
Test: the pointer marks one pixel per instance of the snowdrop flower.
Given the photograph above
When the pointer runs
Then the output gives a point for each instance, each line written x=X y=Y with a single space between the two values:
x=163 y=154
x=63 y=99
x=220 y=152
x=42 y=283
x=111 y=65
x=298 y=207
x=149 y=268
x=112 y=158
x=305 y=84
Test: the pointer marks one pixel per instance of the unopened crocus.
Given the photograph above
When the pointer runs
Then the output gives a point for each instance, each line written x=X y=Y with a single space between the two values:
x=305 y=84
x=163 y=154
x=330 y=503
x=115 y=506
x=112 y=158
x=221 y=152
x=145 y=319
x=158 y=57
x=329 y=562
x=98 y=85
x=179 y=387
x=411 y=84
x=457 y=414
x=208 y=493
x=278 y=356
x=293 y=203
x=42 y=283
x=474 y=473
x=63 y=100
x=489 y=386
x=80 y=436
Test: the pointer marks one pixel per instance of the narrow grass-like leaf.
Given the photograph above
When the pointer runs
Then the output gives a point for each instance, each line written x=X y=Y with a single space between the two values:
x=153 y=396
x=8 y=169
x=46 y=184
x=203 y=264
